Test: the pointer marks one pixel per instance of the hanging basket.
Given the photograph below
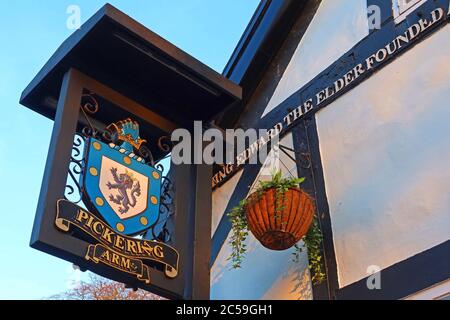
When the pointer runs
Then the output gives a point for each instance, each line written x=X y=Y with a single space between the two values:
x=280 y=220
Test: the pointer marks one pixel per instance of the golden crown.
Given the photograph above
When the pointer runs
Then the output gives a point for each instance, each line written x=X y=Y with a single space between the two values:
x=127 y=131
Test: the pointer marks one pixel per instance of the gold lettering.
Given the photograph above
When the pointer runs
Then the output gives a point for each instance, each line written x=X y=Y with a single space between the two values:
x=105 y=255
x=89 y=223
x=107 y=235
x=125 y=263
x=158 y=250
x=115 y=259
x=119 y=243
x=95 y=227
x=147 y=248
x=139 y=248
x=82 y=215
x=131 y=246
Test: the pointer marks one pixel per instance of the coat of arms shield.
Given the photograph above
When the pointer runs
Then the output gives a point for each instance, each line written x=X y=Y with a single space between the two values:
x=122 y=188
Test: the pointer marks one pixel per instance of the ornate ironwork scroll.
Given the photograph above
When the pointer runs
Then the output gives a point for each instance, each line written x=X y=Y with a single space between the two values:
x=73 y=190
x=160 y=230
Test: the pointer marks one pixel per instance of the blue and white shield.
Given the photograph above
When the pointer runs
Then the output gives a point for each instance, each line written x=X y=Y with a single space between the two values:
x=122 y=189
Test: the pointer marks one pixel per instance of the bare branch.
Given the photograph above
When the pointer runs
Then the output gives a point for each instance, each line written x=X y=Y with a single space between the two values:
x=98 y=288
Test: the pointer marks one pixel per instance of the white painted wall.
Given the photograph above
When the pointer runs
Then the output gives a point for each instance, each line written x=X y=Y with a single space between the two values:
x=265 y=274
x=337 y=26
x=220 y=199
x=385 y=149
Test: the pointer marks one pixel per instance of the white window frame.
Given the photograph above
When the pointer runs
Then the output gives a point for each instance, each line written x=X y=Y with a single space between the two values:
x=402 y=8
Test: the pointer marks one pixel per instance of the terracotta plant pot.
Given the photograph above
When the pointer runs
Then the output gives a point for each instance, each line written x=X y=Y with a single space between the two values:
x=280 y=223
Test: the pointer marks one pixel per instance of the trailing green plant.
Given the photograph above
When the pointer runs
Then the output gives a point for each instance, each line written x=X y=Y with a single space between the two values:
x=279 y=183
x=239 y=233
x=312 y=241
x=239 y=230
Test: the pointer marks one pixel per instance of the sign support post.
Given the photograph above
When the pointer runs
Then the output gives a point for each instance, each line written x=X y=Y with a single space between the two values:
x=202 y=233
x=55 y=175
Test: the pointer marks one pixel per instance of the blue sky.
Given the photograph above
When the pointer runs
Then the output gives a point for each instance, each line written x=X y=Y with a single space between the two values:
x=30 y=32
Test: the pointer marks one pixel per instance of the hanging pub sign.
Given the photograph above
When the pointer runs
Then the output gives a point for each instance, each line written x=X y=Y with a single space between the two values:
x=122 y=195
x=114 y=90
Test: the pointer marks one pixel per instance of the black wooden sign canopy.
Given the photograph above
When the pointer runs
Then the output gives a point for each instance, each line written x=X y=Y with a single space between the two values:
x=115 y=50
x=113 y=88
